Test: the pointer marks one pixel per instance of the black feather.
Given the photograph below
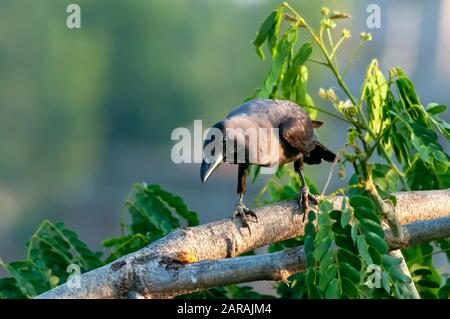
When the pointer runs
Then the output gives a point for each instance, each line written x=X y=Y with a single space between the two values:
x=319 y=153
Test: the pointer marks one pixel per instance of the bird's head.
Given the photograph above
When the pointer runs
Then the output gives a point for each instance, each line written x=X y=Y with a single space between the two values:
x=213 y=151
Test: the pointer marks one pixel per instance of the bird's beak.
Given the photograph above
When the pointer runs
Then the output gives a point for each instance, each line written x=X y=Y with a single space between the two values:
x=207 y=168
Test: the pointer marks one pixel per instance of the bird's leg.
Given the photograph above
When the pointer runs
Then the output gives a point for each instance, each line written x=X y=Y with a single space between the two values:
x=304 y=195
x=241 y=210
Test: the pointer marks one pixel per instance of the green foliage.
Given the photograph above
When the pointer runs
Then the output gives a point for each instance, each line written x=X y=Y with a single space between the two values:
x=276 y=190
x=425 y=275
x=376 y=92
x=288 y=74
x=50 y=251
x=345 y=249
x=349 y=240
x=385 y=178
x=339 y=253
x=268 y=31
x=154 y=213
x=406 y=128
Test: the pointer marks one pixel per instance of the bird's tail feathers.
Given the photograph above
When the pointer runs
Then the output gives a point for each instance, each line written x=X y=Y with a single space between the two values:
x=319 y=153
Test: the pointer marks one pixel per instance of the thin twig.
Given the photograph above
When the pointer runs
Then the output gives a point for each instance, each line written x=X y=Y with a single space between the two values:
x=333 y=166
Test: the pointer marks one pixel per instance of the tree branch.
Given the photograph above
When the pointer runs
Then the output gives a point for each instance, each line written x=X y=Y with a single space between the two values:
x=275 y=266
x=157 y=270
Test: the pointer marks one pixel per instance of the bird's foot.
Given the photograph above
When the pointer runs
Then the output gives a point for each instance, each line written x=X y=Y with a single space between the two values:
x=304 y=199
x=242 y=211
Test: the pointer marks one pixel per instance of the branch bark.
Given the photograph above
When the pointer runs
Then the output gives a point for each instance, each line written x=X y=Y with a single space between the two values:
x=275 y=266
x=157 y=271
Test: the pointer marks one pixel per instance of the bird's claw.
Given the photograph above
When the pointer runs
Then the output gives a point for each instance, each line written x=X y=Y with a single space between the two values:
x=242 y=211
x=304 y=199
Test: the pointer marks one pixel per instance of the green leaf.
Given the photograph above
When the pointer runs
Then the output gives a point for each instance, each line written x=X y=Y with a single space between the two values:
x=9 y=289
x=354 y=232
x=385 y=178
x=312 y=187
x=273 y=33
x=303 y=54
x=295 y=69
x=350 y=272
x=364 y=213
x=322 y=248
x=385 y=281
x=279 y=62
x=327 y=276
x=421 y=149
x=268 y=24
x=314 y=293
x=125 y=245
x=309 y=229
x=326 y=260
x=23 y=284
x=376 y=256
x=361 y=202
x=337 y=229
x=434 y=108
x=422 y=272
x=441 y=125
x=349 y=288
x=289 y=243
x=254 y=172
x=407 y=92
x=345 y=255
x=309 y=244
x=368 y=225
x=325 y=206
x=363 y=250
x=388 y=260
x=311 y=216
x=376 y=95
x=155 y=211
x=344 y=241
x=176 y=203
x=309 y=259
x=310 y=277
x=345 y=217
x=363 y=208
x=426 y=294
x=377 y=242
x=399 y=275
x=323 y=220
x=433 y=181
x=332 y=291
x=335 y=214
x=444 y=292
x=428 y=283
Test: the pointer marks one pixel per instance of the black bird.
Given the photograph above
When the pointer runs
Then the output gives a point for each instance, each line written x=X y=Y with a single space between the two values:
x=294 y=141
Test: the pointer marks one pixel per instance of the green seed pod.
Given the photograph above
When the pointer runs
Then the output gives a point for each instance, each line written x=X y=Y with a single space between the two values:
x=365 y=36
x=325 y=11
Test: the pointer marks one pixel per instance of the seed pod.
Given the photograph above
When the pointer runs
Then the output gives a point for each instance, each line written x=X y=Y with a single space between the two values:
x=365 y=36
x=325 y=11
x=340 y=15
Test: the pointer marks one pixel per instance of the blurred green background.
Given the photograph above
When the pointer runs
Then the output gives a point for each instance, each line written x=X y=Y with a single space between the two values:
x=85 y=113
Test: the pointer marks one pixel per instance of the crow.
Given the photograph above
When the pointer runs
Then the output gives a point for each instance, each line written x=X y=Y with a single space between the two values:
x=282 y=133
